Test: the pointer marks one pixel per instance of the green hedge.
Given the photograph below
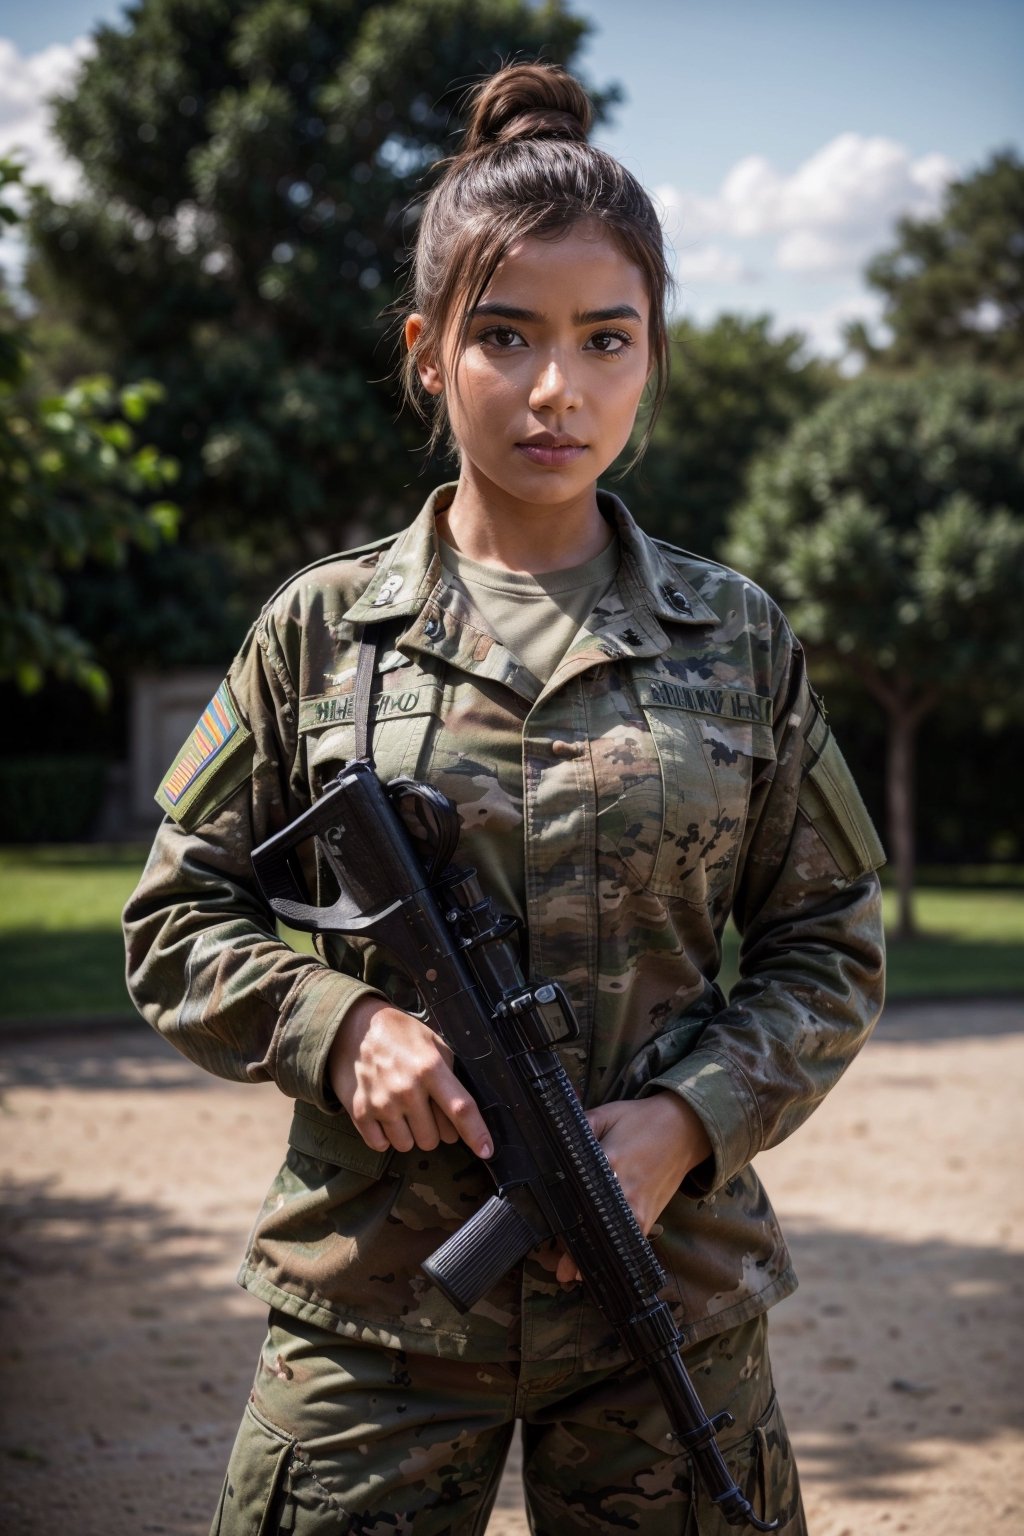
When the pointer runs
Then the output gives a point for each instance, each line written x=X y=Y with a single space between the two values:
x=50 y=799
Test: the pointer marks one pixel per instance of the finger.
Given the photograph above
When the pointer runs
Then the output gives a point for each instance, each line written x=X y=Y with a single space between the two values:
x=600 y=1119
x=399 y=1134
x=373 y=1135
x=567 y=1273
x=549 y=1255
x=421 y=1122
x=445 y=1129
x=456 y=1103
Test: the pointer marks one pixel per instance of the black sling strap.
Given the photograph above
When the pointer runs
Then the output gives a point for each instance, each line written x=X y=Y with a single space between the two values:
x=366 y=666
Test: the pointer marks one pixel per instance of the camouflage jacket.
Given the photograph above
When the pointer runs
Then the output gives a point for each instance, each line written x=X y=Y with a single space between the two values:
x=675 y=767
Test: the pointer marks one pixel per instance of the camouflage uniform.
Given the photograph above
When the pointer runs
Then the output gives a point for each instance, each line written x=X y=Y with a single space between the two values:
x=676 y=766
x=347 y=1437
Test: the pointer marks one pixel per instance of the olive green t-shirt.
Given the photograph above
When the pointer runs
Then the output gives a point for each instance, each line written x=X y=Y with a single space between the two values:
x=536 y=618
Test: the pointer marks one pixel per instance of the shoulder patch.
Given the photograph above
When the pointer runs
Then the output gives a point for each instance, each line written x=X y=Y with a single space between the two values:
x=213 y=755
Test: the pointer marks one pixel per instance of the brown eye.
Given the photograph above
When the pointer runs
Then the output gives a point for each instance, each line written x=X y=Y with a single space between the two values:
x=610 y=342
x=503 y=336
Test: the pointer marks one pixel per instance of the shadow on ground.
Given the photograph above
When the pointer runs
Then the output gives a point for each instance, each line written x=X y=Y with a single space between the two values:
x=944 y=1019
x=129 y=1351
x=132 y=1058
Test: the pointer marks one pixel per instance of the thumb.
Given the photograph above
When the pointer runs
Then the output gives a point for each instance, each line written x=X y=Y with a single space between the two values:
x=601 y=1118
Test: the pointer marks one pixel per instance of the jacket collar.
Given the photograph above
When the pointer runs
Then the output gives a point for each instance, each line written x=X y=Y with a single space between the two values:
x=653 y=582
x=408 y=573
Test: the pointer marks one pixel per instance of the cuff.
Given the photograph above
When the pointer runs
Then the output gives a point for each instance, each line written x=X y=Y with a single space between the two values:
x=719 y=1093
x=311 y=1020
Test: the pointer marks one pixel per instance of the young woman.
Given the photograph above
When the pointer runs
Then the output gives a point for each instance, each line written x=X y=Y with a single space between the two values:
x=634 y=750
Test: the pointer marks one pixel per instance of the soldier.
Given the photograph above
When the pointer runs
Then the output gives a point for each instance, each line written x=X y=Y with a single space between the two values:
x=635 y=752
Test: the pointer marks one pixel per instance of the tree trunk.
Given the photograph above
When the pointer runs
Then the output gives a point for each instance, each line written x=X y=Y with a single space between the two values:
x=899 y=797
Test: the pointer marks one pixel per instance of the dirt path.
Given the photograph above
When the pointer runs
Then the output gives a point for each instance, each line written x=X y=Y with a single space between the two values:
x=129 y=1181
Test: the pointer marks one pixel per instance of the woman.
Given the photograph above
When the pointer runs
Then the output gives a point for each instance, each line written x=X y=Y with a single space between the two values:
x=634 y=750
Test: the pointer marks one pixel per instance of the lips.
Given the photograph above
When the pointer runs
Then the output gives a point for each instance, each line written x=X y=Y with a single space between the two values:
x=551 y=450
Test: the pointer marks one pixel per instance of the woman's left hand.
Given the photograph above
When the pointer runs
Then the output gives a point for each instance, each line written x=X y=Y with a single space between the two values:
x=652 y=1144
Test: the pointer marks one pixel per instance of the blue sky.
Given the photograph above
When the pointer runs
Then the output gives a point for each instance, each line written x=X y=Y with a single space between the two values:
x=783 y=139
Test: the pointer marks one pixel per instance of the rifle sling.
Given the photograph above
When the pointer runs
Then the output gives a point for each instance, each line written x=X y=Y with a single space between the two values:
x=366 y=666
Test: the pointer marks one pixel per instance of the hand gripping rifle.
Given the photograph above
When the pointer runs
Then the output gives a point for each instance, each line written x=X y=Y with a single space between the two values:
x=552 y=1177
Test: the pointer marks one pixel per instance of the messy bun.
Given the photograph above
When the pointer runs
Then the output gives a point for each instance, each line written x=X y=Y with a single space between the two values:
x=524 y=169
x=527 y=101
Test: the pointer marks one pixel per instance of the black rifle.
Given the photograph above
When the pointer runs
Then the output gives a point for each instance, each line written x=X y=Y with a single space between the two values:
x=552 y=1177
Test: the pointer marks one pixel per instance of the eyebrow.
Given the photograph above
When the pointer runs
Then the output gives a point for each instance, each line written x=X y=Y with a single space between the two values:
x=530 y=316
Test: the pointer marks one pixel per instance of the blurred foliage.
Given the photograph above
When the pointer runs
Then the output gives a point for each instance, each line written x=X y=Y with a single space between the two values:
x=252 y=169
x=889 y=527
x=735 y=390
x=954 y=285
x=50 y=799
x=75 y=486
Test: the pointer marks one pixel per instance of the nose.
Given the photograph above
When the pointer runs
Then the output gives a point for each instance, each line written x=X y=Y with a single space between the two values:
x=553 y=388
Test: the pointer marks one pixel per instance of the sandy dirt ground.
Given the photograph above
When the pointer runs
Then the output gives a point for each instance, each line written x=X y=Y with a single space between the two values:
x=130 y=1179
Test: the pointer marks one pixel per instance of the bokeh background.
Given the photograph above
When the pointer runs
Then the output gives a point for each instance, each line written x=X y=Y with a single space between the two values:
x=207 y=214
x=206 y=209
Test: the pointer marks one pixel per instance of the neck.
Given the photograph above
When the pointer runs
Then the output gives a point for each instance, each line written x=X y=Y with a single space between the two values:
x=485 y=524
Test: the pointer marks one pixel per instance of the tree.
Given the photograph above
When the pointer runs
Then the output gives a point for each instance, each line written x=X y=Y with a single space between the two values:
x=954 y=285
x=734 y=391
x=75 y=485
x=252 y=169
x=889 y=525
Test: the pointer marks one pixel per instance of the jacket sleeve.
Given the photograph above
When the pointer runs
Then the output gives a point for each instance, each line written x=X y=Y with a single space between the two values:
x=807 y=905
x=204 y=964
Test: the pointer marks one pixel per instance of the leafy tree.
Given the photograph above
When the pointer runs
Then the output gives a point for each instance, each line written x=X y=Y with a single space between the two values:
x=252 y=169
x=75 y=485
x=734 y=391
x=889 y=524
x=954 y=285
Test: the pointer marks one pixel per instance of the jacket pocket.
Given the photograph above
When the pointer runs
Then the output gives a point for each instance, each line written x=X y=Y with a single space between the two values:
x=710 y=763
x=674 y=766
x=634 y=795
x=403 y=704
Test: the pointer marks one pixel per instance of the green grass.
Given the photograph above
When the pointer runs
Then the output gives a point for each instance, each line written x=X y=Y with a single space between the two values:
x=61 y=952
x=970 y=942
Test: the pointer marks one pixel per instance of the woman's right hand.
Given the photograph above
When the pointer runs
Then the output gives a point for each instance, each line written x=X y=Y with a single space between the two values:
x=395 y=1078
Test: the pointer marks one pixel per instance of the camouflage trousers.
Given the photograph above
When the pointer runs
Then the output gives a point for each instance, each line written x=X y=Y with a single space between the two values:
x=342 y=1437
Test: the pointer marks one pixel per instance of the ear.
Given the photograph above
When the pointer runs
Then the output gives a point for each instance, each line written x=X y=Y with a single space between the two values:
x=430 y=374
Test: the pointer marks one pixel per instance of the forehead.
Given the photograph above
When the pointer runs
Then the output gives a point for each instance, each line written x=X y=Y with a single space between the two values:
x=585 y=268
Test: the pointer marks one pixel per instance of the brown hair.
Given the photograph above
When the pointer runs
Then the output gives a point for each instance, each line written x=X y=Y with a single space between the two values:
x=525 y=169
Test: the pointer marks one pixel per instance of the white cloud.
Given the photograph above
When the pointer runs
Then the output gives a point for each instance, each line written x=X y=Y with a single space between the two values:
x=828 y=215
x=807 y=250
x=711 y=264
x=824 y=327
x=26 y=84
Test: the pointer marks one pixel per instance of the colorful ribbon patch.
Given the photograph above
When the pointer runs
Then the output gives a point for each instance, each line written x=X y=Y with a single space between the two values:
x=214 y=729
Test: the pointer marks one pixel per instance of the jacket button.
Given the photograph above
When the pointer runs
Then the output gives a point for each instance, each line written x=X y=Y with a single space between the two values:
x=433 y=627
x=678 y=600
x=567 y=749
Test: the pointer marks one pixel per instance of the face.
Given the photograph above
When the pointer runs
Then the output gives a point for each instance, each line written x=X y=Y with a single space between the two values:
x=543 y=394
